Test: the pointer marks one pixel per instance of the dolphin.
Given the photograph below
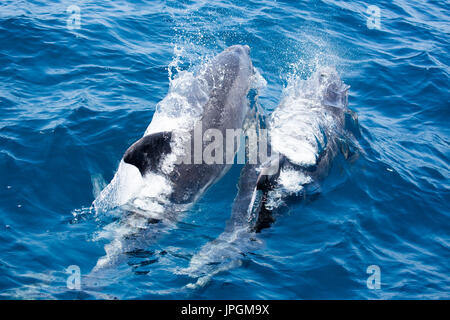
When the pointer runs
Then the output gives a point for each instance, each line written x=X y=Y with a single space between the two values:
x=311 y=125
x=309 y=128
x=159 y=175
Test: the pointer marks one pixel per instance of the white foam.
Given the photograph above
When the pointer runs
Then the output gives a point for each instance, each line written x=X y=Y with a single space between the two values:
x=293 y=181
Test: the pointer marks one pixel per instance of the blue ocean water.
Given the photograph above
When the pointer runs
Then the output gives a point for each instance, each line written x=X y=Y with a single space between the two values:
x=73 y=99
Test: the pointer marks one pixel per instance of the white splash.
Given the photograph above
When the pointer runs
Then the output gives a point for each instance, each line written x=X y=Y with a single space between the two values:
x=293 y=181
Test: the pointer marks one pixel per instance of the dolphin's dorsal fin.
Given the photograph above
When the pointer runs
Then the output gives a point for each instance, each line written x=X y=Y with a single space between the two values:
x=146 y=153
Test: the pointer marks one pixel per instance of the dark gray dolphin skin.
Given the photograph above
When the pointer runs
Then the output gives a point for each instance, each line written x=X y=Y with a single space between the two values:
x=228 y=82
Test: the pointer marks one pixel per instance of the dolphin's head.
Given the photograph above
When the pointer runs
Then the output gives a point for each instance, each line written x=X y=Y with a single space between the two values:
x=232 y=68
x=243 y=51
x=229 y=77
x=244 y=63
x=333 y=90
